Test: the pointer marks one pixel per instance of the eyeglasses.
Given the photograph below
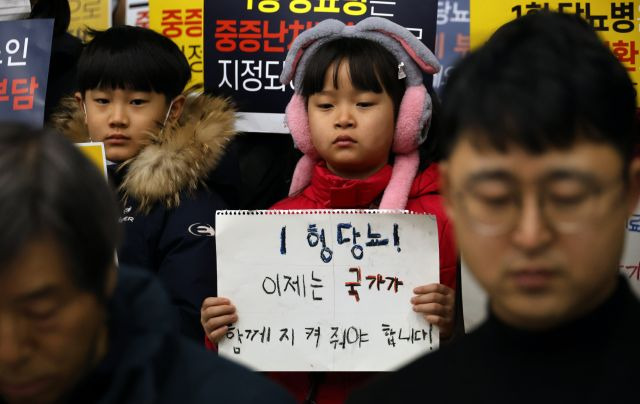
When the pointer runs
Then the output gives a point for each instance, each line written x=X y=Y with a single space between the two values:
x=568 y=204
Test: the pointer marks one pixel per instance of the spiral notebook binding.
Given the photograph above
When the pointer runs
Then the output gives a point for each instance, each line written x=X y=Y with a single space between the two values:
x=315 y=211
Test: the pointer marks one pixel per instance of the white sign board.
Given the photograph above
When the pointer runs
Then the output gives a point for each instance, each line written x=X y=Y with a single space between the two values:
x=326 y=290
x=630 y=263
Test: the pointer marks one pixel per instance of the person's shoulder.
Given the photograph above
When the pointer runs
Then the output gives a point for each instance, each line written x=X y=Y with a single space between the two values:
x=427 y=378
x=435 y=376
x=201 y=376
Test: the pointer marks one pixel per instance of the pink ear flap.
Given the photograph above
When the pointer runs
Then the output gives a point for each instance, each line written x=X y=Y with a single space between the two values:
x=301 y=175
x=410 y=119
x=404 y=171
x=298 y=124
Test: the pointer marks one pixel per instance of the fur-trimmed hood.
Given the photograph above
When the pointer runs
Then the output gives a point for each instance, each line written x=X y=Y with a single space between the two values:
x=178 y=158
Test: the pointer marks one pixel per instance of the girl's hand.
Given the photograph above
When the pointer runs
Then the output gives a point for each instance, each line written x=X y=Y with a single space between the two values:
x=436 y=304
x=215 y=316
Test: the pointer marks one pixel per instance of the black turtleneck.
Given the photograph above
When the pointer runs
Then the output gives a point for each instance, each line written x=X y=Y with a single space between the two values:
x=595 y=358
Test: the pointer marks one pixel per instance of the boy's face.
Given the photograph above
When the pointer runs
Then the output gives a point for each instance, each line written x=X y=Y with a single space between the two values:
x=51 y=332
x=352 y=130
x=123 y=119
x=543 y=234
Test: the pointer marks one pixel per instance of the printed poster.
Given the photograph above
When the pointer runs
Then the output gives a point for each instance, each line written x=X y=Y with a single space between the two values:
x=95 y=14
x=137 y=13
x=25 y=51
x=181 y=21
x=247 y=42
x=452 y=38
x=616 y=21
x=95 y=152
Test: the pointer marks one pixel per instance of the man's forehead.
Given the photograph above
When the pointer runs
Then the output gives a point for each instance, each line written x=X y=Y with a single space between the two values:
x=39 y=270
x=469 y=158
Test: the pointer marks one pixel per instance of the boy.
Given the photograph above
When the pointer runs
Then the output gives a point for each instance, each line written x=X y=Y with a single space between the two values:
x=165 y=146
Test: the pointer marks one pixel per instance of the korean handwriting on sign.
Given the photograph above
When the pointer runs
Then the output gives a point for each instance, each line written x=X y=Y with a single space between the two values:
x=409 y=336
x=634 y=224
x=634 y=271
x=621 y=15
x=346 y=234
x=293 y=285
x=352 y=7
x=337 y=337
x=374 y=280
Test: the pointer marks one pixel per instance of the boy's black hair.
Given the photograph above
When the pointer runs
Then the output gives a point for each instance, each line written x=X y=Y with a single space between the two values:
x=545 y=80
x=371 y=67
x=133 y=58
x=49 y=189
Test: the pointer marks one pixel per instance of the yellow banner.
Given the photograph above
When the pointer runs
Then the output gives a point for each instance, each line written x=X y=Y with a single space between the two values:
x=616 y=21
x=94 y=14
x=95 y=152
x=182 y=22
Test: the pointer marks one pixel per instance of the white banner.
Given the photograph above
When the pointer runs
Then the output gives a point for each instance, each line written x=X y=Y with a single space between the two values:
x=630 y=263
x=326 y=290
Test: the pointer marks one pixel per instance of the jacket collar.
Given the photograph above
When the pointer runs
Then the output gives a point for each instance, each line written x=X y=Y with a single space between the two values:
x=337 y=192
x=178 y=159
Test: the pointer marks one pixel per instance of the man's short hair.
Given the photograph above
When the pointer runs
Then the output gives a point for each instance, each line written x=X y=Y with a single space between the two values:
x=542 y=81
x=49 y=189
x=133 y=58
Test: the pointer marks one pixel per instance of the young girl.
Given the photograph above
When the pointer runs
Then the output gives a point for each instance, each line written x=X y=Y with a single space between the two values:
x=166 y=147
x=358 y=114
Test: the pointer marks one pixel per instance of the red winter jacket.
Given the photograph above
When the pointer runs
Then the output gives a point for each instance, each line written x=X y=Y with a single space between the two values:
x=328 y=191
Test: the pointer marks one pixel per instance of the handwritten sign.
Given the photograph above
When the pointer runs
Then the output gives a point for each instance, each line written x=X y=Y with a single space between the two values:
x=615 y=20
x=182 y=23
x=630 y=263
x=247 y=41
x=25 y=50
x=95 y=152
x=85 y=14
x=326 y=290
x=137 y=13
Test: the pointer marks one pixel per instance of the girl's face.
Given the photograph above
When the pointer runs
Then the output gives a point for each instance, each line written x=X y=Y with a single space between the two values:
x=122 y=119
x=351 y=129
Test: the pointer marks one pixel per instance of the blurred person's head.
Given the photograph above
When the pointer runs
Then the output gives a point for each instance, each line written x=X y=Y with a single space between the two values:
x=540 y=180
x=60 y=231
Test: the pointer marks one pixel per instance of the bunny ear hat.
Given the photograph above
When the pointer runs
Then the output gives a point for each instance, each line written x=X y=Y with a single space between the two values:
x=414 y=115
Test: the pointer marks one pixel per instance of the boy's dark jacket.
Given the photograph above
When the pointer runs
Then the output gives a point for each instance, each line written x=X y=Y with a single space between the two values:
x=148 y=362
x=170 y=193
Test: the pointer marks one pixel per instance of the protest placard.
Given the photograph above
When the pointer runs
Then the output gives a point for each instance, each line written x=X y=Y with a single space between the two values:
x=25 y=51
x=616 y=21
x=246 y=42
x=326 y=290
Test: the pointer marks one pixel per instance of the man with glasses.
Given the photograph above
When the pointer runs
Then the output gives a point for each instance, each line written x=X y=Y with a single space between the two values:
x=539 y=183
